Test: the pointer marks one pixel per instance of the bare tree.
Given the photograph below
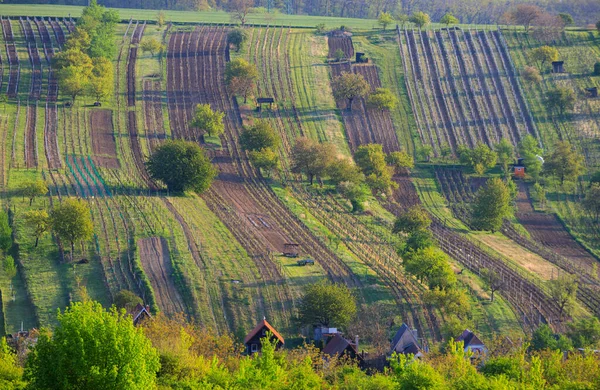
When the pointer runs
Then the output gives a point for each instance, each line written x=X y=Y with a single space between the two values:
x=524 y=15
x=492 y=280
x=548 y=28
x=564 y=292
x=240 y=9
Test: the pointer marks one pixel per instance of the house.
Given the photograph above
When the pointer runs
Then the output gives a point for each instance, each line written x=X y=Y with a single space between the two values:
x=339 y=346
x=253 y=339
x=519 y=171
x=472 y=343
x=558 y=67
x=140 y=313
x=406 y=342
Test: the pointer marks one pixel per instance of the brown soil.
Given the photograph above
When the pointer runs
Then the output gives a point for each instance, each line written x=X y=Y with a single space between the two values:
x=30 y=138
x=103 y=139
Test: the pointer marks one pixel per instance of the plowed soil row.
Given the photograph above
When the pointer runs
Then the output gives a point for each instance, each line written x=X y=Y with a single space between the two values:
x=154 y=255
x=343 y=42
x=51 y=147
x=36 y=75
x=46 y=40
x=13 y=59
x=136 y=38
x=131 y=76
x=58 y=31
x=27 y=30
x=155 y=129
x=30 y=137
x=103 y=139
x=137 y=150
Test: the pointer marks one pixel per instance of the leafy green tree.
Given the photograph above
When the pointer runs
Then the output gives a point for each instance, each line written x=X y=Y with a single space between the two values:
x=371 y=160
x=480 y=158
x=412 y=220
x=385 y=19
x=543 y=338
x=265 y=159
x=416 y=240
x=425 y=152
x=92 y=348
x=566 y=18
x=339 y=55
x=356 y=192
x=71 y=221
x=11 y=372
x=382 y=99
x=151 y=45
x=585 y=332
x=39 y=221
x=420 y=19
x=161 y=18
x=563 y=291
x=491 y=206
x=99 y=23
x=259 y=136
x=506 y=154
x=240 y=77
x=452 y=301
x=127 y=300
x=73 y=80
x=531 y=75
x=311 y=158
x=5 y=232
x=327 y=304
x=449 y=19
x=430 y=265
x=101 y=81
x=544 y=54
x=492 y=280
x=208 y=120
x=564 y=163
x=401 y=161
x=414 y=374
x=236 y=37
x=591 y=202
x=530 y=151
x=349 y=86
x=33 y=188
x=79 y=40
x=560 y=99
x=343 y=170
x=539 y=194
x=402 y=19
x=181 y=166
x=9 y=267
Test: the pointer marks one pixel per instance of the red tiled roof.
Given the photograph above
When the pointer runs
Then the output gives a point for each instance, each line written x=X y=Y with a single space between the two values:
x=261 y=325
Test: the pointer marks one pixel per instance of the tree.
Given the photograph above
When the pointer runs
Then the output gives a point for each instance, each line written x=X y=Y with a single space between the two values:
x=416 y=240
x=564 y=163
x=453 y=301
x=449 y=19
x=566 y=18
x=371 y=160
x=563 y=291
x=339 y=55
x=591 y=203
x=382 y=99
x=413 y=220
x=492 y=280
x=311 y=158
x=356 y=192
x=327 y=304
x=530 y=151
x=350 y=86
x=385 y=19
x=548 y=28
x=71 y=221
x=240 y=9
x=101 y=82
x=560 y=99
x=344 y=170
x=543 y=338
x=240 y=77
x=420 y=19
x=544 y=54
x=531 y=75
x=11 y=372
x=430 y=265
x=39 y=220
x=480 y=158
x=506 y=154
x=525 y=14
x=585 y=332
x=425 y=152
x=259 y=136
x=33 y=188
x=5 y=232
x=402 y=19
x=208 y=120
x=161 y=18
x=73 y=80
x=127 y=300
x=539 y=194
x=491 y=206
x=181 y=166
x=236 y=37
x=9 y=267
x=92 y=348
x=265 y=159
x=151 y=45
x=401 y=161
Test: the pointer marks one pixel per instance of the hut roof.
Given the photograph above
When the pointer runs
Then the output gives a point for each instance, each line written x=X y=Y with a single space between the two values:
x=337 y=345
x=259 y=326
x=404 y=341
x=469 y=338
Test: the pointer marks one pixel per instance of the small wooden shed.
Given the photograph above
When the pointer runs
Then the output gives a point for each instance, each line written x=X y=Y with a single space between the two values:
x=558 y=67
x=360 y=58
x=291 y=249
x=264 y=100
x=253 y=341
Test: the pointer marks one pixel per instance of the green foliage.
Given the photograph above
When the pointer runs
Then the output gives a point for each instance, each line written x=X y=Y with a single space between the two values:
x=161 y=18
x=544 y=54
x=151 y=45
x=265 y=159
x=74 y=69
x=5 y=232
x=10 y=371
x=566 y=18
x=39 y=221
x=181 y=166
x=312 y=158
x=449 y=19
x=92 y=349
x=506 y=154
x=208 y=120
x=491 y=206
x=480 y=158
x=259 y=136
x=9 y=267
x=591 y=202
x=99 y=23
x=416 y=240
x=350 y=86
x=327 y=304
x=240 y=77
x=564 y=163
x=101 y=82
x=539 y=194
x=420 y=19
x=371 y=160
x=563 y=291
x=430 y=265
x=425 y=152
x=585 y=333
x=356 y=192
x=529 y=150
x=343 y=170
x=543 y=338
x=33 y=188
x=127 y=300
x=385 y=19
x=401 y=161
x=531 y=75
x=236 y=37
x=414 y=374
x=560 y=99
x=321 y=28
x=413 y=220
x=382 y=99
x=71 y=221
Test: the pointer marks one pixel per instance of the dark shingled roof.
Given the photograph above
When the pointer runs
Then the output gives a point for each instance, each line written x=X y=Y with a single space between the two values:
x=469 y=338
x=261 y=325
x=405 y=341
x=337 y=345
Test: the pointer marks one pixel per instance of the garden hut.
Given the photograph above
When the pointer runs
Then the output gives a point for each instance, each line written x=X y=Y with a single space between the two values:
x=519 y=169
x=140 y=313
x=253 y=341
x=558 y=67
x=592 y=92
x=291 y=249
x=406 y=342
x=339 y=347
x=360 y=58
x=472 y=343
x=264 y=100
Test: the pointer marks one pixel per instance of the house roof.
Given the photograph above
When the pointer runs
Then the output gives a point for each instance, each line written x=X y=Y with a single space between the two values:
x=263 y=324
x=337 y=345
x=404 y=341
x=138 y=311
x=469 y=338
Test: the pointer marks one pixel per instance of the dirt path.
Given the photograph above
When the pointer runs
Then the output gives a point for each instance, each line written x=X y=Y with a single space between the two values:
x=103 y=139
